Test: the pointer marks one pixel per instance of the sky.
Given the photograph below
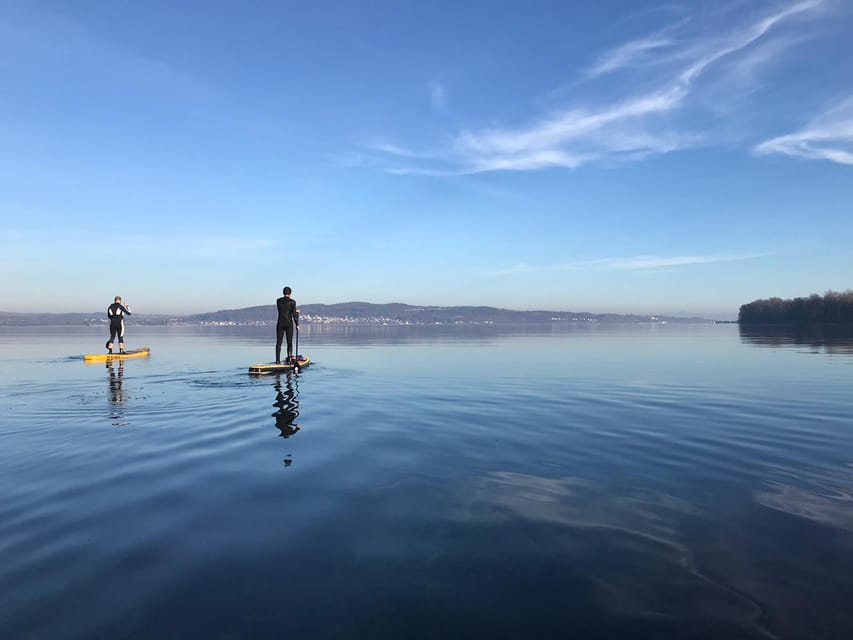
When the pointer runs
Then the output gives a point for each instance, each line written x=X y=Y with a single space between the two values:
x=616 y=156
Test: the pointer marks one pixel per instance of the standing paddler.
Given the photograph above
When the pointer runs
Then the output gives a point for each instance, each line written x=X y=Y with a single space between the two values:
x=288 y=320
x=116 y=313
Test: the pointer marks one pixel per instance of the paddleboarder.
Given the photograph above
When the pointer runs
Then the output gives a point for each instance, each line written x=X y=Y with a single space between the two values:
x=288 y=320
x=116 y=313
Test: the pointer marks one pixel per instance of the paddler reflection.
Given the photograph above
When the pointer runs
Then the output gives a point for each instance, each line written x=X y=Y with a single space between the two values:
x=287 y=404
x=118 y=395
x=116 y=380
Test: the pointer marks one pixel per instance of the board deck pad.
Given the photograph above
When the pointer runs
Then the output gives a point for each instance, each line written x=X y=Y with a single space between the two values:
x=101 y=357
x=272 y=367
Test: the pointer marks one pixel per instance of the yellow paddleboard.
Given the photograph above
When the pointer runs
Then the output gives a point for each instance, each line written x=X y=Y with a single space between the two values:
x=101 y=357
x=271 y=367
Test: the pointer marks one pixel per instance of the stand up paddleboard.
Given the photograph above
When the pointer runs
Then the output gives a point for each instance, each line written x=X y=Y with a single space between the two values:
x=271 y=367
x=101 y=357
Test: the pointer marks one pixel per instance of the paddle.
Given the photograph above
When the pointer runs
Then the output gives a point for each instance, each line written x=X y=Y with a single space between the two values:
x=296 y=360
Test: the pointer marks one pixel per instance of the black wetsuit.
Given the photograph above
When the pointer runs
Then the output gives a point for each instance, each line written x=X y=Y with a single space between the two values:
x=287 y=318
x=116 y=312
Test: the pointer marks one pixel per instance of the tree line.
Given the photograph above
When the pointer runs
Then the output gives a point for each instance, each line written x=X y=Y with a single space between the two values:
x=834 y=307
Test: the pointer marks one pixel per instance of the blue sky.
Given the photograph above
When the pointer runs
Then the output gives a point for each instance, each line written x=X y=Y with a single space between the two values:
x=607 y=157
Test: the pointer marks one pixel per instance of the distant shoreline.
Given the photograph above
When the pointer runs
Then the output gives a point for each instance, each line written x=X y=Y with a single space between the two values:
x=143 y=322
x=352 y=313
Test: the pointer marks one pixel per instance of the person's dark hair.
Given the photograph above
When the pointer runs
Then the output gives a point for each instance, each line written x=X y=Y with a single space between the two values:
x=287 y=291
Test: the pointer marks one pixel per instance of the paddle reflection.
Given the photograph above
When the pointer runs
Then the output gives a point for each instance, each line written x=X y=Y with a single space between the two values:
x=287 y=404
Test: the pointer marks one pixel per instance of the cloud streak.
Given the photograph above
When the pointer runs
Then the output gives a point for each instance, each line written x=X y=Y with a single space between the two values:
x=629 y=54
x=646 y=119
x=654 y=49
x=633 y=263
x=828 y=137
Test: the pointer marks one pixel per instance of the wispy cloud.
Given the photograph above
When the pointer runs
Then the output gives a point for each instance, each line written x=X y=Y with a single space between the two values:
x=646 y=119
x=574 y=137
x=397 y=150
x=828 y=137
x=651 y=49
x=742 y=38
x=628 y=54
x=633 y=263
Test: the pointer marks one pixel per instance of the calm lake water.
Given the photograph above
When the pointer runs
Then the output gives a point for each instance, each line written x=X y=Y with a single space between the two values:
x=598 y=482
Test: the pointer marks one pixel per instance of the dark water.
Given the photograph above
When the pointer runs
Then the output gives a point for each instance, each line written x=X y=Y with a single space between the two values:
x=629 y=482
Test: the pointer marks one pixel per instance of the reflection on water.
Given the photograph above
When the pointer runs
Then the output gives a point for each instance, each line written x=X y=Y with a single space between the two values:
x=829 y=504
x=116 y=383
x=632 y=548
x=118 y=395
x=375 y=334
x=829 y=339
x=287 y=404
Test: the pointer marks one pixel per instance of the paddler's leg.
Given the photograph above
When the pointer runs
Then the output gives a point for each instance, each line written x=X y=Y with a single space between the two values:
x=279 y=334
x=289 y=329
x=121 y=338
x=113 y=332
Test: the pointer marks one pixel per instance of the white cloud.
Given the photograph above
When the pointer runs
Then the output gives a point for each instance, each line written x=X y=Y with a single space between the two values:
x=397 y=150
x=827 y=137
x=647 y=119
x=742 y=38
x=657 y=262
x=572 y=138
x=629 y=54
x=633 y=263
x=655 y=49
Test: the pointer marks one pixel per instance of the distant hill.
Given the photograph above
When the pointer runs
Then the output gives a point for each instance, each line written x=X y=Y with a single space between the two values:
x=349 y=312
x=94 y=318
x=400 y=313
x=30 y=319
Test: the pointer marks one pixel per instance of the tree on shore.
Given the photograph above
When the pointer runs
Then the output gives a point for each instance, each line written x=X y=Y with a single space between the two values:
x=833 y=307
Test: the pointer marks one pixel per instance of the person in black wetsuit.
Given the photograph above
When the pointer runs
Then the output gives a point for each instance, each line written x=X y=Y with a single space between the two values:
x=116 y=313
x=288 y=319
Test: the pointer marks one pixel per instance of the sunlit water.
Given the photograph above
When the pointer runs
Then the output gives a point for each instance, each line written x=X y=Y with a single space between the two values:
x=602 y=482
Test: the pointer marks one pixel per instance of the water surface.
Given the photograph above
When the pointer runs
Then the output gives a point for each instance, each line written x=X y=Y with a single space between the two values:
x=655 y=481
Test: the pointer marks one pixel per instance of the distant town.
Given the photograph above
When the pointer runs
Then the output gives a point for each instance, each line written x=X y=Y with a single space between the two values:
x=387 y=321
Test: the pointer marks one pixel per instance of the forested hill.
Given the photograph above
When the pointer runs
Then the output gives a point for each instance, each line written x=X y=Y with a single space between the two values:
x=831 y=308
